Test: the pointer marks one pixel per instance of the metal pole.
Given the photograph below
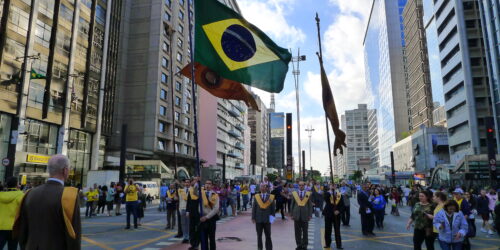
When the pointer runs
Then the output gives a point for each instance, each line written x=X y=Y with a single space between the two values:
x=296 y=74
x=326 y=117
x=223 y=168
x=123 y=152
x=309 y=131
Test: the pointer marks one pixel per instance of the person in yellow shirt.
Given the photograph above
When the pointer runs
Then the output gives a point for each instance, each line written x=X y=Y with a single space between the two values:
x=439 y=198
x=244 y=193
x=10 y=200
x=91 y=196
x=131 y=204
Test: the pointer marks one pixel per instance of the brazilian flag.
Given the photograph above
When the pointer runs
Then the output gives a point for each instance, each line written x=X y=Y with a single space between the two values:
x=235 y=50
x=36 y=75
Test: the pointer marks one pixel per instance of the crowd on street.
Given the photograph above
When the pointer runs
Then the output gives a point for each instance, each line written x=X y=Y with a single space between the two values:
x=192 y=208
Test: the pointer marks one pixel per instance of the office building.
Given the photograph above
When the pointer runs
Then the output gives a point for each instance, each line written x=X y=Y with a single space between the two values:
x=259 y=144
x=420 y=103
x=55 y=61
x=355 y=124
x=422 y=151
x=490 y=22
x=386 y=74
x=276 y=154
x=439 y=116
x=154 y=101
x=464 y=75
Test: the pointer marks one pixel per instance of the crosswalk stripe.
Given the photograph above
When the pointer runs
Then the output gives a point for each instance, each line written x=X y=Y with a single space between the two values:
x=164 y=243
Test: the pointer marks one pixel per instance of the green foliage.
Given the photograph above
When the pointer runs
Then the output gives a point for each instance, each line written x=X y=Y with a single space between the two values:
x=358 y=174
x=272 y=177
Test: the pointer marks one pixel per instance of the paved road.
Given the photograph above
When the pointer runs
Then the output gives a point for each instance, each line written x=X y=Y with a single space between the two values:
x=109 y=233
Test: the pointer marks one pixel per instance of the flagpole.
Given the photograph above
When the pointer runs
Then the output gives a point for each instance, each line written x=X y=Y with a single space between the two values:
x=193 y=94
x=320 y=55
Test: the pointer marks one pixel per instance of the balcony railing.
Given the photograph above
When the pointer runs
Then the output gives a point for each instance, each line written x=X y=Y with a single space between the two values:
x=240 y=127
x=233 y=112
x=239 y=145
x=234 y=133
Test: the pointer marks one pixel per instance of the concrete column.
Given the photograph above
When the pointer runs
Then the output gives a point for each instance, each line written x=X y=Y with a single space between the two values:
x=94 y=158
x=62 y=140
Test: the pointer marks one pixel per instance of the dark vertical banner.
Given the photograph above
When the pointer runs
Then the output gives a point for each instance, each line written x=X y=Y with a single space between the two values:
x=50 y=63
x=393 y=172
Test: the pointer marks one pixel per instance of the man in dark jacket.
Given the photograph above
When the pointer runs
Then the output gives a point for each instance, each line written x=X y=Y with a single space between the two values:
x=334 y=206
x=263 y=207
x=50 y=214
x=193 y=212
x=365 y=211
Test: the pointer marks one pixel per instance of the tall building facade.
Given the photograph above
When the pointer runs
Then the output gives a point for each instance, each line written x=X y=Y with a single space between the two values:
x=259 y=143
x=420 y=102
x=385 y=72
x=373 y=138
x=355 y=124
x=490 y=22
x=154 y=101
x=464 y=74
x=277 y=141
x=53 y=60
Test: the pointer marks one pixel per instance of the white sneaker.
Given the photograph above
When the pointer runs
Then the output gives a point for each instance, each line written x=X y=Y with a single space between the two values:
x=491 y=232
x=484 y=230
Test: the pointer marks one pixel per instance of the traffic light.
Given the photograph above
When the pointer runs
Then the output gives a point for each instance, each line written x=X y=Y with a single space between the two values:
x=288 y=134
x=490 y=143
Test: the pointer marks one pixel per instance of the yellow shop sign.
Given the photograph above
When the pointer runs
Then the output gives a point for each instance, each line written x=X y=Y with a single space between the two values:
x=37 y=158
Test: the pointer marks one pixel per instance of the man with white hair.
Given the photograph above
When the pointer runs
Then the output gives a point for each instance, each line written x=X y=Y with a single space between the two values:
x=49 y=217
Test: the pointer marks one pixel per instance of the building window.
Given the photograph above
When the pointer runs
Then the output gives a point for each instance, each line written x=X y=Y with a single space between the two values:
x=178 y=86
x=163 y=94
x=161 y=145
x=166 y=16
x=168 y=3
x=181 y=15
x=179 y=42
x=186 y=135
x=176 y=132
x=181 y=2
x=164 y=78
x=100 y=15
x=180 y=28
x=179 y=57
x=177 y=101
x=42 y=33
x=164 y=62
x=177 y=147
x=177 y=116
x=163 y=110
x=186 y=149
x=165 y=47
x=187 y=107
x=66 y=13
x=161 y=127
x=41 y=137
x=19 y=20
x=47 y=8
x=186 y=121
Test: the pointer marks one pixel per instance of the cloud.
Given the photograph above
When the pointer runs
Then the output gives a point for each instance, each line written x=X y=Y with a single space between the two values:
x=344 y=56
x=270 y=17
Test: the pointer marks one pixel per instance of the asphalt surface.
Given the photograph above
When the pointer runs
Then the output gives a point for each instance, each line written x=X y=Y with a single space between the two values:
x=104 y=232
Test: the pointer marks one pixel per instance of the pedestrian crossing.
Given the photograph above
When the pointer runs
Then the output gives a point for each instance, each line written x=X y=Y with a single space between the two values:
x=310 y=233
x=172 y=241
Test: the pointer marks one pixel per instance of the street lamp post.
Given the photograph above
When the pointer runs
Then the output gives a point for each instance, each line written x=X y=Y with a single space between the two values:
x=296 y=72
x=309 y=131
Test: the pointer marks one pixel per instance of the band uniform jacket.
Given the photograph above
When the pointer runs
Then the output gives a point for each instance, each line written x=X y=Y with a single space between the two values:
x=41 y=221
x=329 y=209
x=302 y=213
x=262 y=215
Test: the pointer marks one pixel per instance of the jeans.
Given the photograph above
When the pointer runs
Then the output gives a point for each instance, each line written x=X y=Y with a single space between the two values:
x=88 y=209
x=163 y=204
x=379 y=217
x=419 y=236
x=6 y=238
x=131 y=207
x=223 y=203
x=245 y=201
x=185 y=224
x=450 y=246
x=238 y=202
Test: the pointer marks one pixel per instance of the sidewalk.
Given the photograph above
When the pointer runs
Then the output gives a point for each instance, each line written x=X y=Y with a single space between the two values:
x=242 y=227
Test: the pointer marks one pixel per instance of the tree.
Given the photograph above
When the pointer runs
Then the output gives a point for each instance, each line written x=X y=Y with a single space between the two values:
x=272 y=177
x=358 y=174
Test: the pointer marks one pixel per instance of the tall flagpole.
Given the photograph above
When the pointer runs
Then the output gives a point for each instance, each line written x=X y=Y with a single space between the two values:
x=320 y=55
x=193 y=94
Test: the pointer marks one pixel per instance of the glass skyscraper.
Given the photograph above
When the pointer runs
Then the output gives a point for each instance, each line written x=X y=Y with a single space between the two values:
x=385 y=72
